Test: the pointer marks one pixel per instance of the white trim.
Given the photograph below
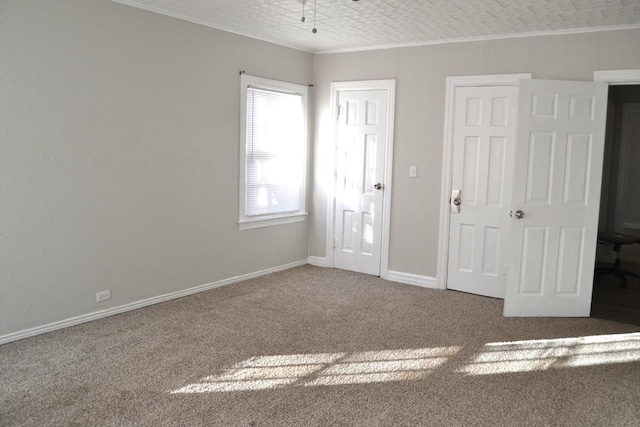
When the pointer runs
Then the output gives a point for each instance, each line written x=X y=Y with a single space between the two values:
x=390 y=86
x=453 y=83
x=260 y=222
x=617 y=77
x=631 y=226
x=318 y=261
x=388 y=174
x=481 y=38
x=412 y=279
x=139 y=304
x=331 y=172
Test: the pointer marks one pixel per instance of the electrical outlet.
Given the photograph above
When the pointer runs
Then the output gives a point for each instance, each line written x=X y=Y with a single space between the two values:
x=103 y=296
x=413 y=171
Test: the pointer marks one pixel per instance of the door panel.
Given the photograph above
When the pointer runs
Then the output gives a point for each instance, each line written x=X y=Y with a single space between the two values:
x=557 y=174
x=362 y=140
x=484 y=131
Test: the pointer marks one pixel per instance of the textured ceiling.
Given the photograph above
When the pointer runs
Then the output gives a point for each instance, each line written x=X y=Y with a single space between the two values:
x=354 y=25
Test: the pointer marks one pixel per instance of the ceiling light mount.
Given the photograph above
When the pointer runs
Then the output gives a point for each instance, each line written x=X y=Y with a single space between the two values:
x=315 y=7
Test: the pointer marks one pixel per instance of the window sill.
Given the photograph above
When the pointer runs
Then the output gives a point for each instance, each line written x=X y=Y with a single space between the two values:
x=268 y=221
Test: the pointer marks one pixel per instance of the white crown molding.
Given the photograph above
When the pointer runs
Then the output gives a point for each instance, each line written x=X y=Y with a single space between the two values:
x=482 y=38
x=38 y=330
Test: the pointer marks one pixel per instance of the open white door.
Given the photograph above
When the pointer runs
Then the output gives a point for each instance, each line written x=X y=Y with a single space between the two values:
x=556 y=196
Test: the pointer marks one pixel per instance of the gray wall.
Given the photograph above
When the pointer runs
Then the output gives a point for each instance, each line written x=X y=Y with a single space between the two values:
x=119 y=138
x=421 y=74
x=119 y=148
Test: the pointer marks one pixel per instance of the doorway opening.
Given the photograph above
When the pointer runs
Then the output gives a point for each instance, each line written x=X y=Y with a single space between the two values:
x=557 y=171
x=615 y=297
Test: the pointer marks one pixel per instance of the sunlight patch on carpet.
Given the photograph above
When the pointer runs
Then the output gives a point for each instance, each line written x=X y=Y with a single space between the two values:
x=324 y=369
x=330 y=369
x=540 y=355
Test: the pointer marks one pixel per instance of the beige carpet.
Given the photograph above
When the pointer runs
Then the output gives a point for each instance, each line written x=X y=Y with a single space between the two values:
x=317 y=347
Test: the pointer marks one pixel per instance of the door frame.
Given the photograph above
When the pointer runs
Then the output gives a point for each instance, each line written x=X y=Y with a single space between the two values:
x=336 y=87
x=612 y=77
x=616 y=78
x=454 y=82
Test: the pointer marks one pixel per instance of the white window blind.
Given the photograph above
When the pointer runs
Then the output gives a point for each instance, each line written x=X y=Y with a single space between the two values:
x=274 y=152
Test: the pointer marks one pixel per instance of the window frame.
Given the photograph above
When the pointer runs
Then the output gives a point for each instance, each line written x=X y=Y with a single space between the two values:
x=245 y=222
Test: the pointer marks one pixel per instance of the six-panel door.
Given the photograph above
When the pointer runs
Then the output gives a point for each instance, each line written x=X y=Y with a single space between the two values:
x=556 y=185
x=483 y=139
x=362 y=139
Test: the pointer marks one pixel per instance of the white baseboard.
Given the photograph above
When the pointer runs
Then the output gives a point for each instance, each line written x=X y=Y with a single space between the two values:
x=14 y=336
x=412 y=279
x=318 y=261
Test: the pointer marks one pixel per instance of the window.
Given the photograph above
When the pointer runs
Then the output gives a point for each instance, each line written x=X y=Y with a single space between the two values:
x=273 y=143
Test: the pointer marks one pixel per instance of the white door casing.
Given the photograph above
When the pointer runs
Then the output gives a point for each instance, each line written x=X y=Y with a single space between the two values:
x=360 y=170
x=483 y=139
x=557 y=179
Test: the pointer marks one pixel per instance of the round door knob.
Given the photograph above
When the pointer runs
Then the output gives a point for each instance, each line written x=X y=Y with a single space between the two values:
x=518 y=214
x=456 y=202
x=378 y=186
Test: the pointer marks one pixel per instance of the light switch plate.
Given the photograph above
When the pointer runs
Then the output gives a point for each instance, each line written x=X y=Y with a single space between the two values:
x=413 y=171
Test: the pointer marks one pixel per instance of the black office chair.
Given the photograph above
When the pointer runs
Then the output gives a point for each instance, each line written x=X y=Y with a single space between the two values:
x=617 y=240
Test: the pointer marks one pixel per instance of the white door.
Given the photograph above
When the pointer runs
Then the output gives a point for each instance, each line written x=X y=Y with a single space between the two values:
x=556 y=196
x=362 y=140
x=483 y=139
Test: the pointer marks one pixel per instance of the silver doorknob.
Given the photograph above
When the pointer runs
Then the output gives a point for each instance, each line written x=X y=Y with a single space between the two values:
x=456 y=202
x=518 y=214
x=378 y=186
